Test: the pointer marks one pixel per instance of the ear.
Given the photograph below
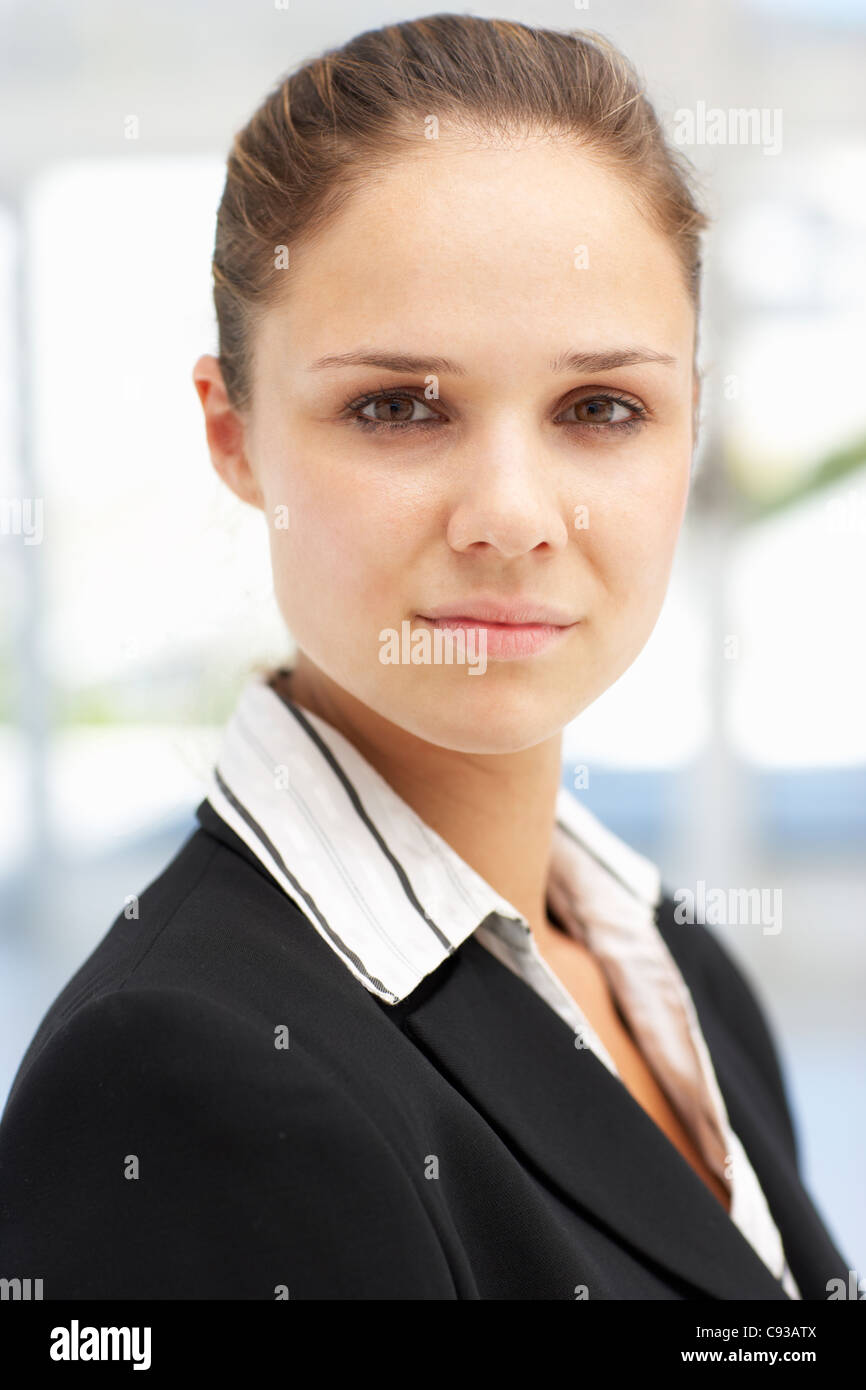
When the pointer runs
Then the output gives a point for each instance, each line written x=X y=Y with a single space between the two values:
x=226 y=432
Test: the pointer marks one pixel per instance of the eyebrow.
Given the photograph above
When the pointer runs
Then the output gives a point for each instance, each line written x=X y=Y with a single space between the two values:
x=603 y=361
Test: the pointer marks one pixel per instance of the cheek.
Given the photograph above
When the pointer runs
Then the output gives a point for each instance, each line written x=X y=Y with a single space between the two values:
x=342 y=552
x=632 y=537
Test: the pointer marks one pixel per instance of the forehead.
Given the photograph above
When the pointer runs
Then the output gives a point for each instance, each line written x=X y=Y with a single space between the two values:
x=538 y=240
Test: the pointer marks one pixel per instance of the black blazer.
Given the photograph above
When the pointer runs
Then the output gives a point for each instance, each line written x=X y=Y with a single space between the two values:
x=158 y=1143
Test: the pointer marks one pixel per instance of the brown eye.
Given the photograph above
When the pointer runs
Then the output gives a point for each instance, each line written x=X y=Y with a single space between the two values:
x=393 y=410
x=602 y=410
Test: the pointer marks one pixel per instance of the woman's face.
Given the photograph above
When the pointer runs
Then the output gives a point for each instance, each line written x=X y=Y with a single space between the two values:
x=518 y=473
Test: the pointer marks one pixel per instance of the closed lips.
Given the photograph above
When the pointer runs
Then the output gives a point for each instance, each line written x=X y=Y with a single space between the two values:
x=512 y=615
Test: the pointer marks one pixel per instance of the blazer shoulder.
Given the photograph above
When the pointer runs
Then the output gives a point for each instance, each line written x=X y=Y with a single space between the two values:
x=127 y=940
x=212 y=924
x=717 y=980
x=162 y=1147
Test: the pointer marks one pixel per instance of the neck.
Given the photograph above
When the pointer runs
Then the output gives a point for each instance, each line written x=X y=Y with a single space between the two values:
x=496 y=811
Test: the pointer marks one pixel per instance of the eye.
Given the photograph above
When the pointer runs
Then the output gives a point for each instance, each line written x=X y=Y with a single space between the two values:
x=607 y=412
x=397 y=411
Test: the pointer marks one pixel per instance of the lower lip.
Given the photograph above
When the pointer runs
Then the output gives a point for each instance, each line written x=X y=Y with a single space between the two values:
x=508 y=641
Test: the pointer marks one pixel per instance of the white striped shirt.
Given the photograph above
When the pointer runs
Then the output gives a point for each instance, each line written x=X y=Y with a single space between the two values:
x=393 y=900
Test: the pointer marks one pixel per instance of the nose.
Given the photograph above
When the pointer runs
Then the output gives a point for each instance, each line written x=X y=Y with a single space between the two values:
x=508 y=496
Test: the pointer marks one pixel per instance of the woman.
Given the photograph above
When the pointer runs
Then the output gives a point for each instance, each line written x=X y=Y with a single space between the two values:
x=402 y=1019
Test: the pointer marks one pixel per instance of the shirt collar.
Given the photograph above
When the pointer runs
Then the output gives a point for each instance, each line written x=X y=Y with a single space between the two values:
x=386 y=892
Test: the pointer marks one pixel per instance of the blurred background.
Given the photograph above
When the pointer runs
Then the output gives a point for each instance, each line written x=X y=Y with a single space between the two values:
x=135 y=590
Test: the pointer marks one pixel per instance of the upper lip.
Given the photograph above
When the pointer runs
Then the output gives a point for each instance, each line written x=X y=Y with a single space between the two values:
x=517 y=611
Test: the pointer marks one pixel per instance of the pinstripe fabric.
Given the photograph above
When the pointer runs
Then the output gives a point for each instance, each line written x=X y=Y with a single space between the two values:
x=394 y=900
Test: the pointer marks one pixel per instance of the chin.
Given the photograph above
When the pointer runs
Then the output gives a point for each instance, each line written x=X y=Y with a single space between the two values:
x=483 y=715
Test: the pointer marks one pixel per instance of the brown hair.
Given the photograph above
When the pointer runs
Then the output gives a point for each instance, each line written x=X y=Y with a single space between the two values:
x=329 y=125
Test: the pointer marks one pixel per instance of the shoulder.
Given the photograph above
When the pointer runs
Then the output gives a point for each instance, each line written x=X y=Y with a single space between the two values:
x=190 y=1120
x=183 y=1051
x=211 y=945
x=162 y=1146
x=722 y=988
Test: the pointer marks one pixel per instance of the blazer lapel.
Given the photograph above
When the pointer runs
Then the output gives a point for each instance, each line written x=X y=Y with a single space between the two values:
x=811 y=1255
x=575 y=1124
